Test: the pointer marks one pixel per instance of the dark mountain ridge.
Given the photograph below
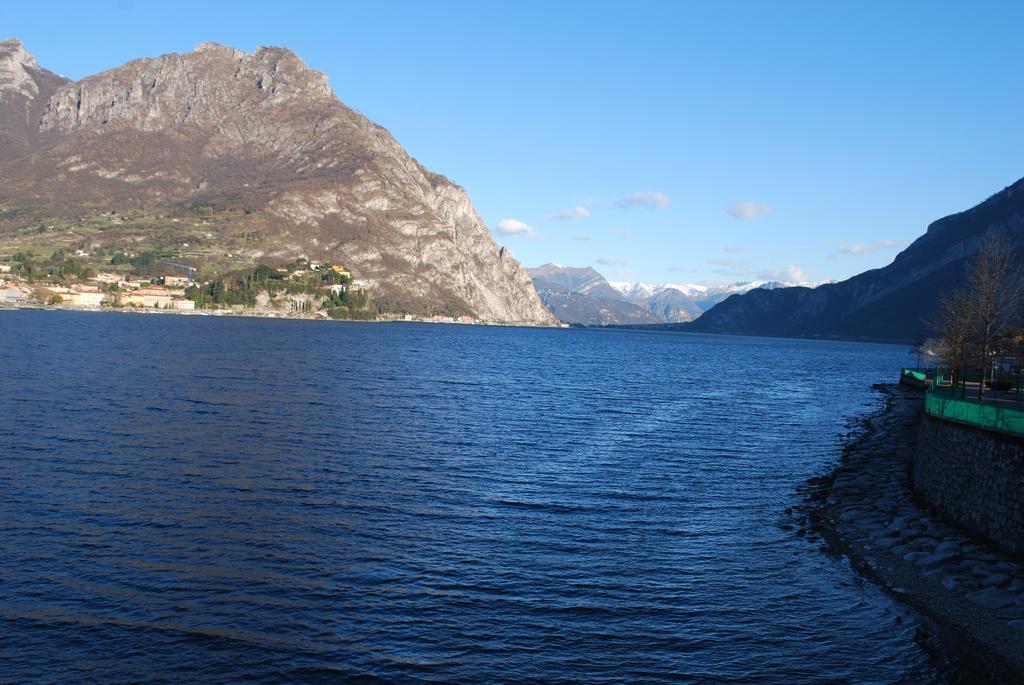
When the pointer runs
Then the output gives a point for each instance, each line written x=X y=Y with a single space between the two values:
x=892 y=303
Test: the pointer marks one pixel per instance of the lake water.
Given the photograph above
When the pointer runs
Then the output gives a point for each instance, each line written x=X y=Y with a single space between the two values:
x=210 y=499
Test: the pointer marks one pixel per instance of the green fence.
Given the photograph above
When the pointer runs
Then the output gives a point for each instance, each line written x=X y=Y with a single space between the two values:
x=919 y=374
x=915 y=378
x=942 y=403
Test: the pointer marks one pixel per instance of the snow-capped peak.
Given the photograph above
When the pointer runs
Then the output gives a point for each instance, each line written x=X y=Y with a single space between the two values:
x=634 y=289
x=630 y=289
x=691 y=289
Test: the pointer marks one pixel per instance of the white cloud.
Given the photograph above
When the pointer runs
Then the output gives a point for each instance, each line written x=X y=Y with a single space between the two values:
x=578 y=212
x=748 y=210
x=791 y=274
x=650 y=200
x=513 y=228
x=868 y=248
x=581 y=238
x=679 y=269
x=734 y=263
x=796 y=273
x=736 y=248
x=608 y=261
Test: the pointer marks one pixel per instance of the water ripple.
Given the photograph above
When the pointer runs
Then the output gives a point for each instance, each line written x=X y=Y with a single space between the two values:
x=230 y=500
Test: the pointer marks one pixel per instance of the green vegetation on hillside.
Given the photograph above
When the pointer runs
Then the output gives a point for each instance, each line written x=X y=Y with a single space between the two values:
x=215 y=241
x=297 y=286
x=57 y=267
x=298 y=283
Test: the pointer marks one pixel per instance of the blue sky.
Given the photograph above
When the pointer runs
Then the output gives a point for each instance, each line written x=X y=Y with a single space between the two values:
x=655 y=141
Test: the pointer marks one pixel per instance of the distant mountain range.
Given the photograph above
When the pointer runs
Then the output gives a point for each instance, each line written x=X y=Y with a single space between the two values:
x=582 y=295
x=892 y=303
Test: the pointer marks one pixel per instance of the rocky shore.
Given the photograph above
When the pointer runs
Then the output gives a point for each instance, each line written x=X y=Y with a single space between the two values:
x=970 y=597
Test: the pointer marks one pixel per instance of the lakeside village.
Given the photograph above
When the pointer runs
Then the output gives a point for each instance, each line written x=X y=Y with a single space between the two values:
x=146 y=283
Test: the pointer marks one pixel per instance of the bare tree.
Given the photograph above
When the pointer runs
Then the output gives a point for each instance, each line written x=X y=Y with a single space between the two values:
x=956 y=323
x=994 y=295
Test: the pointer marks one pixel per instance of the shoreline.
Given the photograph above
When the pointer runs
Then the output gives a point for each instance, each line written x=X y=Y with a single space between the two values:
x=970 y=597
x=269 y=314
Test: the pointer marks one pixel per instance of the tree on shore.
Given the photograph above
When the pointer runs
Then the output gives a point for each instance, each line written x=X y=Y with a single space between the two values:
x=955 y=323
x=971 y=319
x=994 y=287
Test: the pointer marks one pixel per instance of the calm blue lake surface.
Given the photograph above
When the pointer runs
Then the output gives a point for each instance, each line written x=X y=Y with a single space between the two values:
x=211 y=500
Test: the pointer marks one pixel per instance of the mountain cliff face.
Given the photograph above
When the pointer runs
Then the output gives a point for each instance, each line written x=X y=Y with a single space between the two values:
x=892 y=303
x=220 y=157
x=24 y=90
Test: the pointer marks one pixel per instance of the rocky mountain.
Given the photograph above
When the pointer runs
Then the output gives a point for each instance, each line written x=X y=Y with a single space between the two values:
x=220 y=158
x=582 y=295
x=681 y=302
x=892 y=303
x=25 y=88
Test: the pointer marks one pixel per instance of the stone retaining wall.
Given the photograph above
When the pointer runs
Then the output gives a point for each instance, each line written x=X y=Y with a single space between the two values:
x=974 y=478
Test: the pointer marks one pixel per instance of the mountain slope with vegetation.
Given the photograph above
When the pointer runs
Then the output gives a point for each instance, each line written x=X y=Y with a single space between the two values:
x=222 y=160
